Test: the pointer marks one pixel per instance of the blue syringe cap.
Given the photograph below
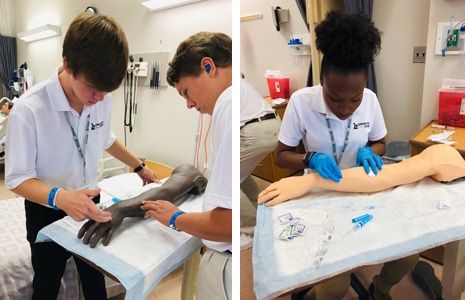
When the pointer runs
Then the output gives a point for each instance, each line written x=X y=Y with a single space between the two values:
x=360 y=218
x=365 y=220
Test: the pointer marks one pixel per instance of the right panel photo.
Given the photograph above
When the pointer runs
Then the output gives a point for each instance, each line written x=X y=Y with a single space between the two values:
x=350 y=171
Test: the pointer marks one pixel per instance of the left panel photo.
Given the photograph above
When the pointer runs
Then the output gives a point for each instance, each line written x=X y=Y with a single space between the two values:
x=117 y=150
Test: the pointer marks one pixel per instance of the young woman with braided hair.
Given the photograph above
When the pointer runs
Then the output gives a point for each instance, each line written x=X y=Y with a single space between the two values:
x=341 y=125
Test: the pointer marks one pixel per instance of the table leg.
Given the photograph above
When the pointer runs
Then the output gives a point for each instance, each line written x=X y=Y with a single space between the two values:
x=453 y=272
x=189 y=277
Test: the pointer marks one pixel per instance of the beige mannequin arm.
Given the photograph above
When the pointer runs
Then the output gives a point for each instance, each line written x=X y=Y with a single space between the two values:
x=441 y=162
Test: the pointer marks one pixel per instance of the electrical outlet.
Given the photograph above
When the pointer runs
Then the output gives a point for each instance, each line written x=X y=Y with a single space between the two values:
x=419 y=54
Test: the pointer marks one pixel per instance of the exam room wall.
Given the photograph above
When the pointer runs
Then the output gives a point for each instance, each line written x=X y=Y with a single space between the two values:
x=263 y=47
x=400 y=82
x=438 y=67
x=165 y=130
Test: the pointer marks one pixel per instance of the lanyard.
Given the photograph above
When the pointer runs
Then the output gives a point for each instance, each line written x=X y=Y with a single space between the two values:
x=333 y=142
x=78 y=145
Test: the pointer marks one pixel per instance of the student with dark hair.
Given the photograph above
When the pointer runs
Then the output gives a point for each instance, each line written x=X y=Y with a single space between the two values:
x=56 y=134
x=341 y=125
x=5 y=106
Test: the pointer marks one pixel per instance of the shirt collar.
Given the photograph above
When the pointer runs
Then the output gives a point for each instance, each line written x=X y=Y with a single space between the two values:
x=57 y=96
x=320 y=105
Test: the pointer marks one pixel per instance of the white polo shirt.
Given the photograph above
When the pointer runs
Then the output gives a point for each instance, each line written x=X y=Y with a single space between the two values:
x=40 y=142
x=305 y=119
x=252 y=103
x=219 y=188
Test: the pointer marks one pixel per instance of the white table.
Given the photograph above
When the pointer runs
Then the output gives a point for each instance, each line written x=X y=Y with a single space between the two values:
x=407 y=220
x=142 y=251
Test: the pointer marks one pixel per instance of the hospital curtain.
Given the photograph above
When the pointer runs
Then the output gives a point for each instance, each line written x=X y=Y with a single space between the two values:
x=8 y=57
x=366 y=7
x=8 y=54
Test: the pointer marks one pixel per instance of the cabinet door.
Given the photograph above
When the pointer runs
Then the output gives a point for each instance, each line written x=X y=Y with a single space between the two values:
x=265 y=169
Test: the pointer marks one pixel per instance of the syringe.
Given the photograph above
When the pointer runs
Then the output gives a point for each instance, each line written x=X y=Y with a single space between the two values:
x=361 y=221
x=373 y=206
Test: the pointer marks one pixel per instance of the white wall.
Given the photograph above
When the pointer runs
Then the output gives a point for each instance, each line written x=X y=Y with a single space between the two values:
x=437 y=67
x=262 y=47
x=165 y=129
x=400 y=81
x=407 y=91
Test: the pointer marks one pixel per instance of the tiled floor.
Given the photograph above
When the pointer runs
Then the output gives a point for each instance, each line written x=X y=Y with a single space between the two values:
x=168 y=288
x=4 y=192
x=406 y=289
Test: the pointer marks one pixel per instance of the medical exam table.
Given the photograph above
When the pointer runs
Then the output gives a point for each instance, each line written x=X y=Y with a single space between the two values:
x=142 y=251
x=406 y=220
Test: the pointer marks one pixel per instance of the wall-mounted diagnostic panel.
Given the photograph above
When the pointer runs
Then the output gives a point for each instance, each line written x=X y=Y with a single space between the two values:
x=151 y=68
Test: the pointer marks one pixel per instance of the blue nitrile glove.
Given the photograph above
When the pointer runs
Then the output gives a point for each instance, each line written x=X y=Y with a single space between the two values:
x=325 y=165
x=368 y=159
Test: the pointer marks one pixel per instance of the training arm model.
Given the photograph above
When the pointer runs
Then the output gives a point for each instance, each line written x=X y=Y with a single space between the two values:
x=185 y=179
x=441 y=162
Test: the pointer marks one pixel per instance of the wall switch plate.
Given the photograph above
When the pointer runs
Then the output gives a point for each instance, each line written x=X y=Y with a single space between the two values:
x=419 y=54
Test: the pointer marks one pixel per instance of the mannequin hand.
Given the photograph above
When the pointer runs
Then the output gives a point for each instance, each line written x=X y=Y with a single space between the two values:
x=325 y=166
x=368 y=159
x=286 y=189
x=91 y=232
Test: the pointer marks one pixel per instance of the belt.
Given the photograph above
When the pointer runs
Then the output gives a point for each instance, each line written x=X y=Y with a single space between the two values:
x=263 y=118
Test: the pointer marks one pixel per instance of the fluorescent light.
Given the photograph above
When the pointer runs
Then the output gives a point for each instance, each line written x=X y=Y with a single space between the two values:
x=42 y=32
x=156 y=5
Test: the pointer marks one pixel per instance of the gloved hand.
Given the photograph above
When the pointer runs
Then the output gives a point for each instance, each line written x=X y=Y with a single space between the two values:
x=326 y=166
x=368 y=159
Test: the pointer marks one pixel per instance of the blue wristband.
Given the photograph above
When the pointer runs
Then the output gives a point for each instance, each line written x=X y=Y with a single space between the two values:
x=173 y=219
x=52 y=198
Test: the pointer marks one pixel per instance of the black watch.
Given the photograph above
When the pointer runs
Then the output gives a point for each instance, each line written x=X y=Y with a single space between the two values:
x=139 y=168
x=308 y=156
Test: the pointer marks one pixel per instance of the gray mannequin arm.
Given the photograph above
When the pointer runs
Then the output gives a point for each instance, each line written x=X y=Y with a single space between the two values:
x=184 y=180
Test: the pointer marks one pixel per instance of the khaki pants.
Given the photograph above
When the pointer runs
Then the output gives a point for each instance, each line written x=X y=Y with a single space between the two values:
x=214 y=280
x=391 y=273
x=257 y=141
